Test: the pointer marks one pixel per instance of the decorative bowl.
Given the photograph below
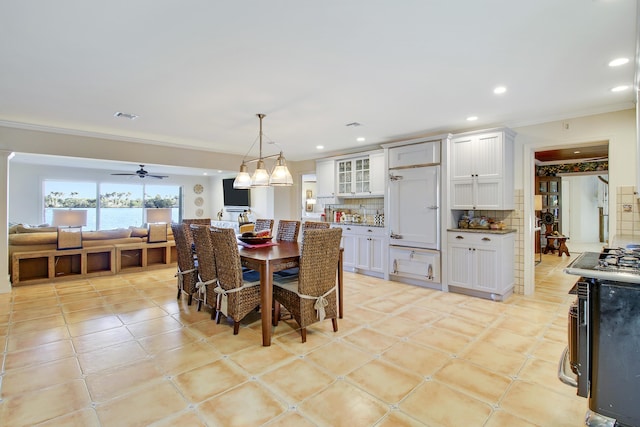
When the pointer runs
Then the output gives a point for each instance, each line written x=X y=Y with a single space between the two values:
x=255 y=240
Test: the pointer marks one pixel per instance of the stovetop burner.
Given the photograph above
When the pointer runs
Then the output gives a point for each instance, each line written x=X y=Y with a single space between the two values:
x=619 y=259
x=612 y=264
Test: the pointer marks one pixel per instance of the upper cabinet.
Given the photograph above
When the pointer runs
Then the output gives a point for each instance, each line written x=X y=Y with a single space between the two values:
x=361 y=176
x=481 y=170
x=325 y=181
x=422 y=154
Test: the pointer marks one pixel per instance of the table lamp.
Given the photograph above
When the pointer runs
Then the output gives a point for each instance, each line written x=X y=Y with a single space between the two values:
x=157 y=220
x=69 y=223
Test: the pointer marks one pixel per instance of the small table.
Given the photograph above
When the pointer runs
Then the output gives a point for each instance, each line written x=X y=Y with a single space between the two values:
x=562 y=245
x=266 y=261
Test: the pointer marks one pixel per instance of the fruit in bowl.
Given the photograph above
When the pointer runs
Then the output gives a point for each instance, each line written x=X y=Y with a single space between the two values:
x=253 y=237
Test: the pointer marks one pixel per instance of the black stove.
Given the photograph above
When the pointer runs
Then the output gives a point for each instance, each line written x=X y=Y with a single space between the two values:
x=613 y=264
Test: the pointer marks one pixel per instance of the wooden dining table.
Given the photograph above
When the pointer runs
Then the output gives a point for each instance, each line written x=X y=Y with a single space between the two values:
x=267 y=260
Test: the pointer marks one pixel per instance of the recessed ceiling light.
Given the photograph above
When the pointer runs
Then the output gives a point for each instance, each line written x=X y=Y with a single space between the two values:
x=618 y=62
x=219 y=171
x=472 y=118
x=576 y=152
x=204 y=173
x=500 y=89
x=360 y=139
x=319 y=147
x=125 y=115
x=619 y=88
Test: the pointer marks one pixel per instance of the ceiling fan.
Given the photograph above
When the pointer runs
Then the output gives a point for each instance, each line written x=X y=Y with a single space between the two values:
x=141 y=173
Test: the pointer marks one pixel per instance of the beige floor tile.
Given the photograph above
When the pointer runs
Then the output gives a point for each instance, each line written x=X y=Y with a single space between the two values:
x=508 y=340
x=97 y=340
x=330 y=408
x=167 y=341
x=141 y=315
x=292 y=341
x=87 y=314
x=257 y=406
x=505 y=419
x=37 y=324
x=41 y=354
x=78 y=297
x=420 y=315
x=477 y=316
x=370 y=340
x=436 y=404
x=396 y=326
x=35 y=313
x=121 y=380
x=154 y=326
x=339 y=358
x=549 y=350
x=181 y=419
x=399 y=419
x=480 y=383
x=187 y=357
x=441 y=339
x=33 y=339
x=82 y=418
x=227 y=343
x=363 y=315
x=142 y=407
x=95 y=325
x=385 y=305
x=557 y=334
x=260 y=359
x=209 y=328
x=345 y=327
x=540 y=406
x=459 y=326
x=33 y=378
x=127 y=306
x=415 y=358
x=521 y=327
x=32 y=408
x=499 y=360
x=110 y=357
x=545 y=374
x=209 y=380
x=385 y=381
x=286 y=380
x=290 y=418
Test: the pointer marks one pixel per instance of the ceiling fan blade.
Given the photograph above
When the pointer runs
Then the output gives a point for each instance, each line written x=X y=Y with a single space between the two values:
x=158 y=176
x=124 y=174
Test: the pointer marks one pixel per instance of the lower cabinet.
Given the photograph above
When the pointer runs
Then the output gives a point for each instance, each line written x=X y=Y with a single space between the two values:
x=414 y=265
x=364 y=249
x=482 y=263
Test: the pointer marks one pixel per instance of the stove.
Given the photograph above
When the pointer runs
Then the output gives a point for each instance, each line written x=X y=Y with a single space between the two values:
x=604 y=336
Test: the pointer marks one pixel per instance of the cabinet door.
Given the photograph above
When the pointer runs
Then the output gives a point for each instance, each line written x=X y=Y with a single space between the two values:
x=462 y=153
x=361 y=176
x=344 y=175
x=486 y=268
x=349 y=243
x=425 y=153
x=325 y=179
x=363 y=253
x=488 y=194
x=487 y=155
x=460 y=265
x=462 y=194
x=377 y=248
x=377 y=174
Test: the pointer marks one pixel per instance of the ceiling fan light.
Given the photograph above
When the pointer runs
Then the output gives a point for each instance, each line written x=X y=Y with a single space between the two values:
x=260 y=177
x=281 y=177
x=243 y=179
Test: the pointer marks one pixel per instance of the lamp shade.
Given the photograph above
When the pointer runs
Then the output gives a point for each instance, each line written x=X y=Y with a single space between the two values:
x=281 y=177
x=537 y=202
x=158 y=215
x=69 y=217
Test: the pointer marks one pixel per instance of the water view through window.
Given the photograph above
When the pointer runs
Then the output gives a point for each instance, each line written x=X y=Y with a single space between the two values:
x=110 y=205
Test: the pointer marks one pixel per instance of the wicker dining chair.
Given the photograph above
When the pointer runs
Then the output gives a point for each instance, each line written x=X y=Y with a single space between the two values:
x=312 y=296
x=207 y=277
x=288 y=230
x=235 y=297
x=197 y=221
x=187 y=271
x=263 y=224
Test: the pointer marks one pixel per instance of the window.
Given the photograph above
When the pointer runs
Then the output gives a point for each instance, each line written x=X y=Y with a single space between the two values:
x=111 y=205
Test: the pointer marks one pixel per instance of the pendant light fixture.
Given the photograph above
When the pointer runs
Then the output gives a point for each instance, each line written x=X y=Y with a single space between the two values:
x=280 y=177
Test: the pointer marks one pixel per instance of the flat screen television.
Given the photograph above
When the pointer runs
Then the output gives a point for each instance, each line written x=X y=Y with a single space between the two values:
x=235 y=197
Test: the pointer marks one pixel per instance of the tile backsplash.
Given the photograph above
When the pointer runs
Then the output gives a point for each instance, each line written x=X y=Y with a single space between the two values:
x=627 y=212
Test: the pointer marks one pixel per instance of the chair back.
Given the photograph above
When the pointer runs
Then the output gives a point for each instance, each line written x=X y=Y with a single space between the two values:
x=319 y=261
x=200 y=221
x=288 y=230
x=264 y=224
x=225 y=246
x=183 y=247
x=204 y=252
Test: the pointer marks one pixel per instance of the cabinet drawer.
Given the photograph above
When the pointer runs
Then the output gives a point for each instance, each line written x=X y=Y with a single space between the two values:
x=418 y=264
x=474 y=239
x=359 y=230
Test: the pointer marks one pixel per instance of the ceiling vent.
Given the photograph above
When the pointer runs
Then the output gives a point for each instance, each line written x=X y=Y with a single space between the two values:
x=125 y=115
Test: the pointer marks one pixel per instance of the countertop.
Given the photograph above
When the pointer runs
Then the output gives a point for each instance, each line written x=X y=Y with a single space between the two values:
x=482 y=230
x=357 y=224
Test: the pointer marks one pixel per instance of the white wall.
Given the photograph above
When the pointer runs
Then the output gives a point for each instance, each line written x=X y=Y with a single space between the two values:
x=580 y=216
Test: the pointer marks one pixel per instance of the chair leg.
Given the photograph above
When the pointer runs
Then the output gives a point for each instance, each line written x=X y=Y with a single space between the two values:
x=199 y=304
x=236 y=328
x=303 y=332
x=276 y=313
x=218 y=315
x=335 y=324
x=190 y=299
x=179 y=290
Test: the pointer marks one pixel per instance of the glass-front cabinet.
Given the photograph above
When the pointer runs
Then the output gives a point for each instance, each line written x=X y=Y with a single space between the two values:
x=354 y=176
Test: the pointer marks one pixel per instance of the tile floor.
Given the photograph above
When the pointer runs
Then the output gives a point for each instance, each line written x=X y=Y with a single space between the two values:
x=122 y=351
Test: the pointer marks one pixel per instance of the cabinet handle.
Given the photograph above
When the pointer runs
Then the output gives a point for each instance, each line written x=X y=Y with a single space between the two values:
x=369 y=230
x=459 y=237
x=395 y=266
x=395 y=236
x=412 y=254
x=348 y=228
x=430 y=272
x=486 y=239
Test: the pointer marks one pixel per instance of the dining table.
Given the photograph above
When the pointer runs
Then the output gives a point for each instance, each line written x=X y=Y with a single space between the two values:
x=270 y=258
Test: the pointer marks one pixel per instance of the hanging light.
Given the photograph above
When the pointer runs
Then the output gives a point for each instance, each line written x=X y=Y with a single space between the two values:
x=261 y=177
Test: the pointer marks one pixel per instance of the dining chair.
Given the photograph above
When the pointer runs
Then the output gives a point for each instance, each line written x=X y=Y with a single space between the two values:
x=207 y=276
x=235 y=297
x=288 y=230
x=264 y=224
x=187 y=270
x=312 y=296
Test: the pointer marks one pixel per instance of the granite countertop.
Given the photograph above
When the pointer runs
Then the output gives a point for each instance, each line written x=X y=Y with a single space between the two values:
x=357 y=224
x=482 y=230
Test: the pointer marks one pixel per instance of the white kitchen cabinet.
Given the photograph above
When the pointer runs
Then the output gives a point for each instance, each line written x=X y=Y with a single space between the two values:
x=414 y=265
x=365 y=249
x=325 y=181
x=423 y=153
x=481 y=171
x=377 y=173
x=360 y=176
x=481 y=262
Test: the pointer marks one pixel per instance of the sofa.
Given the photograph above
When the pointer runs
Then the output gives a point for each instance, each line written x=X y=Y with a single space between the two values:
x=26 y=238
